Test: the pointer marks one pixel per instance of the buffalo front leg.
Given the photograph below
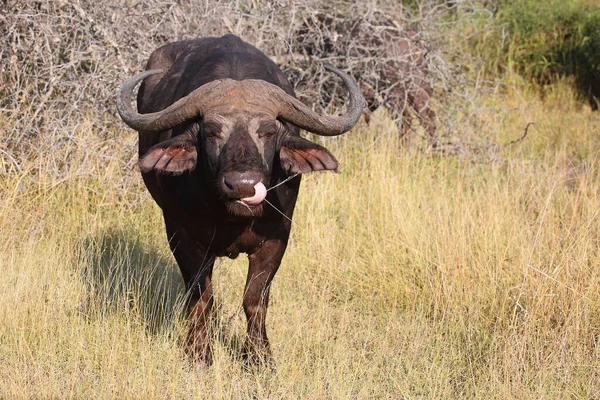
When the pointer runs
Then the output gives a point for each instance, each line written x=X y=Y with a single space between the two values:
x=263 y=266
x=196 y=267
x=199 y=307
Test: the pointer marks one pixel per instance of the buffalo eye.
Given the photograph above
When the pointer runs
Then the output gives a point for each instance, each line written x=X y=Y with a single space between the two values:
x=269 y=128
x=212 y=136
x=212 y=131
x=266 y=134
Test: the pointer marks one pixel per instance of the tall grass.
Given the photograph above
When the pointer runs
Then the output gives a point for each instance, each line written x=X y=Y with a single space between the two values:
x=407 y=276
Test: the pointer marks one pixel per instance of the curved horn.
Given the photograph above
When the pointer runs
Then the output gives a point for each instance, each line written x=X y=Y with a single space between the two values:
x=285 y=106
x=182 y=110
x=300 y=115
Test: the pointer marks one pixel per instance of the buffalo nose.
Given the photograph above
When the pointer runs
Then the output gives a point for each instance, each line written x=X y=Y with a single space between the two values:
x=238 y=185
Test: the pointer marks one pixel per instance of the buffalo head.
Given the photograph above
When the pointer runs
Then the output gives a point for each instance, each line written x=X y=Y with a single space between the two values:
x=238 y=130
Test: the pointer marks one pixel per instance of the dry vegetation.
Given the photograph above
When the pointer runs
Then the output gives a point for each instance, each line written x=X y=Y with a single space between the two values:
x=61 y=63
x=408 y=275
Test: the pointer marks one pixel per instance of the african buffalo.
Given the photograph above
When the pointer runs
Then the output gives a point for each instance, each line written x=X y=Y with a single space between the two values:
x=218 y=127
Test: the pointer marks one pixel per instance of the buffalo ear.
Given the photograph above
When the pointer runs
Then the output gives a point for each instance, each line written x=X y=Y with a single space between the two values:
x=300 y=156
x=174 y=156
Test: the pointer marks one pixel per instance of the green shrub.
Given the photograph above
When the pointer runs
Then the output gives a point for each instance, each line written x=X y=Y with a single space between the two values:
x=551 y=38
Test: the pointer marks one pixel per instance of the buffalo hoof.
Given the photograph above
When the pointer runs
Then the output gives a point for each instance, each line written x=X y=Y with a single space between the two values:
x=258 y=361
x=201 y=355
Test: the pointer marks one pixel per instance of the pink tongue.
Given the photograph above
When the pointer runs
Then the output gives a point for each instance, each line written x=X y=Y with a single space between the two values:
x=260 y=192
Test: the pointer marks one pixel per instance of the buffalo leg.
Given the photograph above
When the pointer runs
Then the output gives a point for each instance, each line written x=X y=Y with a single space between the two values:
x=263 y=266
x=196 y=268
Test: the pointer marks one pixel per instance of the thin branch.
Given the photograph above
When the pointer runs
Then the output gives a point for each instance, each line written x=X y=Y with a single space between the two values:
x=522 y=136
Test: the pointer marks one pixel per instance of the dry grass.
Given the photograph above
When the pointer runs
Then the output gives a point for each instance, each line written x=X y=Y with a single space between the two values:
x=408 y=276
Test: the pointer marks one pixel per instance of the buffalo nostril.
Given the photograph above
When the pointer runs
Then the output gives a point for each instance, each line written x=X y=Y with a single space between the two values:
x=228 y=184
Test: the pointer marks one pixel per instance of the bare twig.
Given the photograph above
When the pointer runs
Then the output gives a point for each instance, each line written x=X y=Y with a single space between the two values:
x=522 y=136
x=61 y=63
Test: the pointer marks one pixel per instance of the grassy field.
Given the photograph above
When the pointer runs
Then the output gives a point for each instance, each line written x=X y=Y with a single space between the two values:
x=408 y=276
